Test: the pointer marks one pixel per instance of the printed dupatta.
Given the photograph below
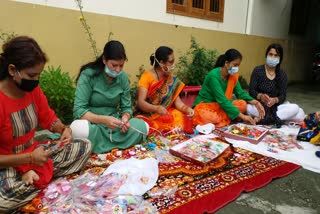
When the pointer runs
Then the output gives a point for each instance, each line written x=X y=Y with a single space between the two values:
x=165 y=91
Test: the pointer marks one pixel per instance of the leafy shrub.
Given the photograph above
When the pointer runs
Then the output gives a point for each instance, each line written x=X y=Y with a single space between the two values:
x=134 y=87
x=194 y=65
x=59 y=89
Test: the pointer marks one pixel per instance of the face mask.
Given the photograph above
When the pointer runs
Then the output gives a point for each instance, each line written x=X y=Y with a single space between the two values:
x=272 y=62
x=111 y=73
x=27 y=85
x=167 y=68
x=233 y=70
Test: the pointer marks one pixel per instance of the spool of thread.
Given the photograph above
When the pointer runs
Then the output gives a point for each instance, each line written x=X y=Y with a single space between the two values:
x=37 y=203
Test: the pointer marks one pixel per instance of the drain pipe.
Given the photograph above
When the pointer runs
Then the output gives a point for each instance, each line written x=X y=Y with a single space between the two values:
x=249 y=17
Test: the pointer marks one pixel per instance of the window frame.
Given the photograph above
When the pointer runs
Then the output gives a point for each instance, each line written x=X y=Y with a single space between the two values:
x=188 y=10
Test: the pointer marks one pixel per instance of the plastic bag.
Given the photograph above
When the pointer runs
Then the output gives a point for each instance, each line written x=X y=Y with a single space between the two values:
x=142 y=175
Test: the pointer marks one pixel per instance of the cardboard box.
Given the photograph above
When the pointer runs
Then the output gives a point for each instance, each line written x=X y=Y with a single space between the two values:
x=241 y=131
x=199 y=151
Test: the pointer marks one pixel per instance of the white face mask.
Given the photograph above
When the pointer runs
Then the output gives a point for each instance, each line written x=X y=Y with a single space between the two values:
x=111 y=73
x=272 y=62
x=165 y=68
x=233 y=70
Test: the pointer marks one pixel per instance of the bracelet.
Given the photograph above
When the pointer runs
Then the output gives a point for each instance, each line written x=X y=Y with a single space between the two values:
x=30 y=158
x=184 y=108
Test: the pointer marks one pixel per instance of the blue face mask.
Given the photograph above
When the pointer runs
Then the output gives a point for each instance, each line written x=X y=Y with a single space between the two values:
x=272 y=62
x=233 y=70
x=111 y=73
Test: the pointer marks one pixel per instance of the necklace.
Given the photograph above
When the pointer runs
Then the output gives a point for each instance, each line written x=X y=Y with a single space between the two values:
x=270 y=74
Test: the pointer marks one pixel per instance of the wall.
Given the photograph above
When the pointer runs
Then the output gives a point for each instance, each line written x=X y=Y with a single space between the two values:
x=61 y=35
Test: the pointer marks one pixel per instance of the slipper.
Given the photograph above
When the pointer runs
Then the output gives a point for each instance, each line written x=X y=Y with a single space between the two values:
x=318 y=154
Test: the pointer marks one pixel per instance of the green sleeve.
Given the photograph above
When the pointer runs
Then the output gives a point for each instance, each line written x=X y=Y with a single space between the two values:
x=217 y=89
x=83 y=93
x=125 y=99
x=241 y=94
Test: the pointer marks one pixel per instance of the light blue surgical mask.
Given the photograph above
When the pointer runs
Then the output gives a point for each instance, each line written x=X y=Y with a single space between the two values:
x=233 y=70
x=272 y=62
x=111 y=73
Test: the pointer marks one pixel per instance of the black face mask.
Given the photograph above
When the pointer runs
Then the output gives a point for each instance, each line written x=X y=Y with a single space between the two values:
x=28 y=85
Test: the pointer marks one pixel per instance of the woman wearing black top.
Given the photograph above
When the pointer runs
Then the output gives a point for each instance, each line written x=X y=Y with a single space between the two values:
x=268 y=84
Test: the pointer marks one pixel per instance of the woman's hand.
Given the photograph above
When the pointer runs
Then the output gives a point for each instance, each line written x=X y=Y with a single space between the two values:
x=247 y=118
x=264 y=98
x=125 y=122
x=112 y=122
x=272 y=101
x=161 y=110
x=29 y=177
x=259 y=107
x=190 y=112
x=39 y=156
x=66 y=136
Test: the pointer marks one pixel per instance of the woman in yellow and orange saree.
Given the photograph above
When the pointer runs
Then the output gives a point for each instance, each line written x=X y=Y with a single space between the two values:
x=158 y=101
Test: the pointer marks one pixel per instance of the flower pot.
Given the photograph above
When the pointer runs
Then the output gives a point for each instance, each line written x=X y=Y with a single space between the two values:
x=189 y=94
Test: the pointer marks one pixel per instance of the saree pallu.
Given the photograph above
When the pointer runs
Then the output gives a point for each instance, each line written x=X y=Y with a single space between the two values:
x=213 y=113
x=164 y=93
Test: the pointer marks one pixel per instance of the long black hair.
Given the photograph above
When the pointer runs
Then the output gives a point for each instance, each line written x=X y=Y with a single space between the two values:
x=162 y=53
x=279 y=51
x=22 y=52
x=113 y=50
x=229 y=56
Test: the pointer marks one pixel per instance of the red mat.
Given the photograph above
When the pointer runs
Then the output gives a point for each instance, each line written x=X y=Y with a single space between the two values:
x=207 y=189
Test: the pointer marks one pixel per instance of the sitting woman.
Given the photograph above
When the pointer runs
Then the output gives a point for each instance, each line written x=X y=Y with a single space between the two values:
x=214 y=103
x=268 y=84
x=158 y=101
x=25 y=165
x=102 y=106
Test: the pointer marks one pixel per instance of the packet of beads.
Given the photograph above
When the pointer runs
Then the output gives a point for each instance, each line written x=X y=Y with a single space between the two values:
x=167 y=191
x=145 y=208
x=57 y=192
x=163 y=156
x=280 y=140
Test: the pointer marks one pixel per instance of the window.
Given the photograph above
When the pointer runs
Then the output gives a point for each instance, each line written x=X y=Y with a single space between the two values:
x=203 y=9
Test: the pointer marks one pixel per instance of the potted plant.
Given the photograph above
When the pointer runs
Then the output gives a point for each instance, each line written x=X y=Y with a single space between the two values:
x=192 y=68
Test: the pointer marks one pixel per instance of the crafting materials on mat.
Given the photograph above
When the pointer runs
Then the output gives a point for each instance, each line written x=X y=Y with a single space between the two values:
x=185 y=187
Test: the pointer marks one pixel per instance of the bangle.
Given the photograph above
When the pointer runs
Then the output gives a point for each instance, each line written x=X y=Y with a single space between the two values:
x=184 y=108
x=30 y=158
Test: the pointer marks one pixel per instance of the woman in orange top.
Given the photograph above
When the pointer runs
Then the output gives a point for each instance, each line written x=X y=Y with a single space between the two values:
x=158 y=102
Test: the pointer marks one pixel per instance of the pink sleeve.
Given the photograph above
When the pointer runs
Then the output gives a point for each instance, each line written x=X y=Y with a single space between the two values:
x=46 y=116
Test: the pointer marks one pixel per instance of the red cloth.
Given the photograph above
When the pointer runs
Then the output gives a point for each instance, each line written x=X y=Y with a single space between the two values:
x=19 y=120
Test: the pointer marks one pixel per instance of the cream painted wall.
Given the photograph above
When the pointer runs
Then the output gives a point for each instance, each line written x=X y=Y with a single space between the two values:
x=270 y=18
x=155 y=10
x=61 y=35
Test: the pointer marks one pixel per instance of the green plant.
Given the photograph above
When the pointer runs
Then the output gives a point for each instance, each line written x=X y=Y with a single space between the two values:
x=134 y=86
x=87 y=29
x=59 y=89
x=5 y=37
x=194 y=65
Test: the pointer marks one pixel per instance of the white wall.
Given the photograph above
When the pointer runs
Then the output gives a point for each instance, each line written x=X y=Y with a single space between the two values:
x=270 y=18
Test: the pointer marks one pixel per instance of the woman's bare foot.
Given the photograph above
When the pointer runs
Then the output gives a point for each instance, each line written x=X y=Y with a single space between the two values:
x=29 y=177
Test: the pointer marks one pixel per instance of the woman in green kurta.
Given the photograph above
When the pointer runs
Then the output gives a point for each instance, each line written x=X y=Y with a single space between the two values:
x=102 y=106
x=214 y=103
